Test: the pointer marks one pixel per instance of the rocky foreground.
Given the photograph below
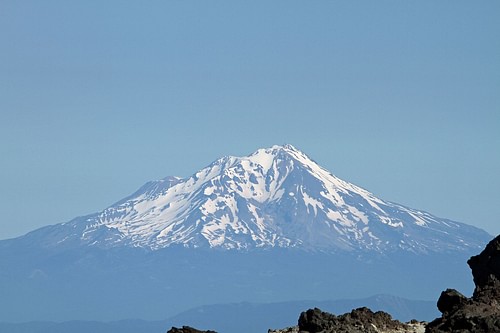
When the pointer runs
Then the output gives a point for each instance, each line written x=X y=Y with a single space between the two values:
x=361 y=320
x=478 y=314
x=481 y=313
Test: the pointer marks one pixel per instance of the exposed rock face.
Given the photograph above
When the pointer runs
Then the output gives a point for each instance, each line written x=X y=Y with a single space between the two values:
x=481 y=313
x=486 y=273
x=361 y=320
x=187 y=329
x=293 y=329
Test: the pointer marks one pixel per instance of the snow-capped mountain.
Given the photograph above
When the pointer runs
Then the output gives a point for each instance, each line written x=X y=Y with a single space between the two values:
x=275 y=197
x=271 y=226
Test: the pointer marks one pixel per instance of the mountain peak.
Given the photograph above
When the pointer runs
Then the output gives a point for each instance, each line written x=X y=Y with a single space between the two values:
x=285 y=147
x=274 y=197
x=276 y=149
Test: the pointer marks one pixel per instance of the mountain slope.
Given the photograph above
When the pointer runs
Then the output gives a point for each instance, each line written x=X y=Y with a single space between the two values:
x=275 y=197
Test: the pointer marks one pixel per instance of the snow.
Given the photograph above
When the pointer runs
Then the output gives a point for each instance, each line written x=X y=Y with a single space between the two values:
x=358 y=214
x=209 y=190
x=263 y=158
x=334 y=215
x=310 y=201
x=209 y=207
x=418 y=220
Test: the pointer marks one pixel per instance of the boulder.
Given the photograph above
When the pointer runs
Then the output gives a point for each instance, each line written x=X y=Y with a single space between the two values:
x=451 y=300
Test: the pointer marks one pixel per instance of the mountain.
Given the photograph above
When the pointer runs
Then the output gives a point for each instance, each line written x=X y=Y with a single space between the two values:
x=273 y=226
x=274 y=198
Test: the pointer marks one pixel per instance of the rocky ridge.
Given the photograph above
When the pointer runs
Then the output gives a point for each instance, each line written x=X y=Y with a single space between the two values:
x=358 y=320
x=361 y=320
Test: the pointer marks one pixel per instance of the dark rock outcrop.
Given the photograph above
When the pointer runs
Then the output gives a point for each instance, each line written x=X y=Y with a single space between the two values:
x=187 y=329
x=451 y=300
x=486 y=273
x=481 y=313
x=361 y=320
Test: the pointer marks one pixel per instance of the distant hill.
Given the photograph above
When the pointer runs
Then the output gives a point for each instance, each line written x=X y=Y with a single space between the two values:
x=235 y=317
x=251 y=317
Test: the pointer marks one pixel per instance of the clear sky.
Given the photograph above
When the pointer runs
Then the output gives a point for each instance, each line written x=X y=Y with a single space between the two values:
x=98 y=97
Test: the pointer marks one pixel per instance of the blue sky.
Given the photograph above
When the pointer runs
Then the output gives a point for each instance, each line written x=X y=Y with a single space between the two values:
x=98 y=97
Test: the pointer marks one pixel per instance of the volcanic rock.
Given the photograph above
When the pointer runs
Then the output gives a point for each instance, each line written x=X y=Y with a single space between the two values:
x=451 y=300
x=293 y=329
x=481 y=313
x=486 y=273
x=187 y=329
x=361 y=320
